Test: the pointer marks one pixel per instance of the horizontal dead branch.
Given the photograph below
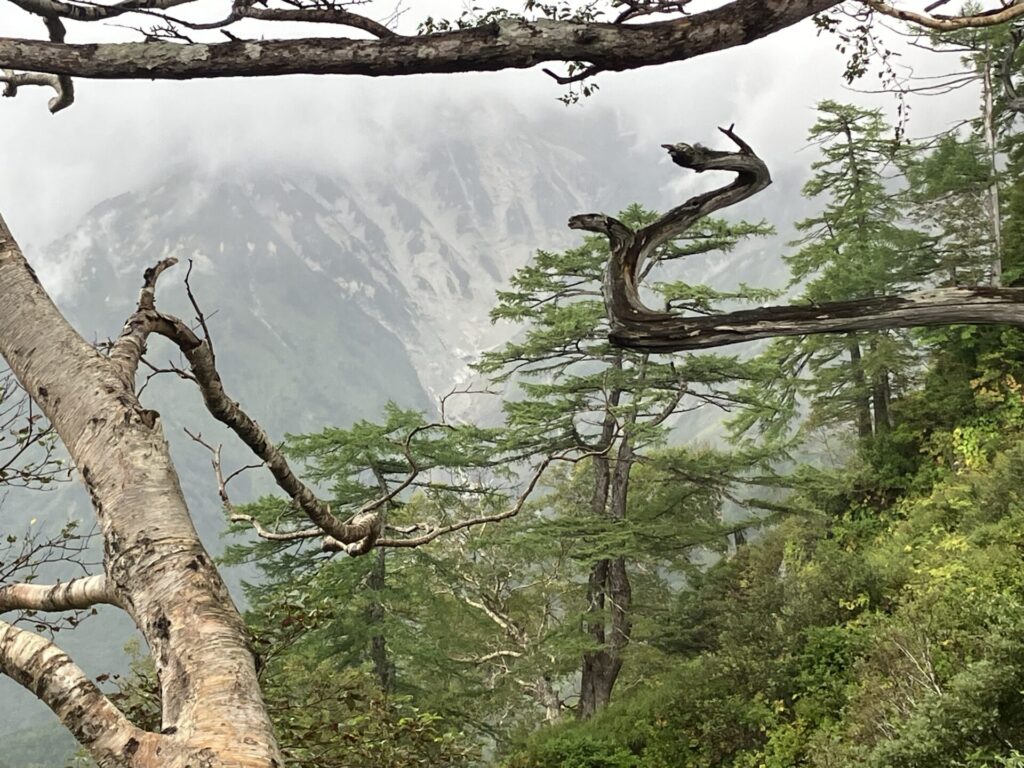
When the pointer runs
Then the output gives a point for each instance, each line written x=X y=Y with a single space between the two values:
x=505 y=44
x=939 y=307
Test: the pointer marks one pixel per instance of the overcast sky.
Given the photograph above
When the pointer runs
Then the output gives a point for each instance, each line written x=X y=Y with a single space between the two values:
x=120 y=135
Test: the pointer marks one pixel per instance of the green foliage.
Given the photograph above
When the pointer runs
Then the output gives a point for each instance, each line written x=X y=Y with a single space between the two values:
x=1013 y=213
x=324 y=716
x=520 y=592
x=880 y=626
x=949 y=187
x=856 y=246
x=881 y=630
x=569 y=751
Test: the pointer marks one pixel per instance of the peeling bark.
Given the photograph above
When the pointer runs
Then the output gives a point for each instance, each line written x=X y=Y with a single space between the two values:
x=213 y=714
x=85 y=592
x=40 y=666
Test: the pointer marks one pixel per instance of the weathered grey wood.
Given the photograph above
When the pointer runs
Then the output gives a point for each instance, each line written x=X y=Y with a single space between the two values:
x=945 y=306
x=636 y=326
x=506 y=44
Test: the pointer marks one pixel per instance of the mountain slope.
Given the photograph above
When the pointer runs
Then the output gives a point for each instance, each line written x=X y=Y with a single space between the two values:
x=328 y=292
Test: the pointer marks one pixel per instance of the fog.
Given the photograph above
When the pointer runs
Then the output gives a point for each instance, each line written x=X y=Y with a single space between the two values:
x=120 y=135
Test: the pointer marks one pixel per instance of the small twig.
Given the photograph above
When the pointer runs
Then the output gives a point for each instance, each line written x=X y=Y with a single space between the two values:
x=200 y=317
x=264 y=533
x=443 y=400
x=512 y=511
x=583 y=74
x=154 y=372
x=218 y=470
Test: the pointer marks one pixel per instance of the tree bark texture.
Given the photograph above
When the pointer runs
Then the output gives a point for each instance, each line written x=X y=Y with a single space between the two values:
x=504 y=44
x=154 y=564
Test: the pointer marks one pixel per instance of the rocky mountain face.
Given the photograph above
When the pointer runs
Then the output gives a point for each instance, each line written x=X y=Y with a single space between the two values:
x=329 y=291
x=383 y=273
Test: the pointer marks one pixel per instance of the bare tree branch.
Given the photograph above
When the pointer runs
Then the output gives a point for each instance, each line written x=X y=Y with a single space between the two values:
x=84 y=592
x=61 y=83
x=14 y=80
x=477 y=660
x=505 y=514
x=318 y=15
x=129 y=348
x=146 y=320
x=635 y=326
x=511 y=42
x=942 y=23
x=92 y=11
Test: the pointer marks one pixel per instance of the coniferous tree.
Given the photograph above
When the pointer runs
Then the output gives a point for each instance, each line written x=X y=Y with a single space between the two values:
x=950 y=191
x=857 y=246
x=600 y=551
x=605 y=405
x=405 y=459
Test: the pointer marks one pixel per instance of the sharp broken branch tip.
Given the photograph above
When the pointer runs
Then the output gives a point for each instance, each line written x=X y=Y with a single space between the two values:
x=744 y=147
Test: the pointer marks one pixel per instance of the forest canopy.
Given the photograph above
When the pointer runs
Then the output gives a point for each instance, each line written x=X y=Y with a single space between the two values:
x=828 y=576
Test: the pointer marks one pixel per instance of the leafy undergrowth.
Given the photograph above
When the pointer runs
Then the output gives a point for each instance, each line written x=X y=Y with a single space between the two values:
x=883 y=630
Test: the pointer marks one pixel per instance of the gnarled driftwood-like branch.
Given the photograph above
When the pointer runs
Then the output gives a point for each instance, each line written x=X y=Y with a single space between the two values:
x=635 y=326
